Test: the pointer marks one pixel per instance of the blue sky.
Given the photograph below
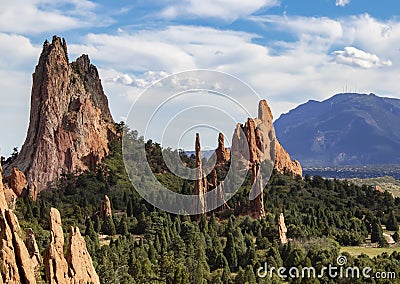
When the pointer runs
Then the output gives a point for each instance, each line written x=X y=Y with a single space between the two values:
x=288 y=51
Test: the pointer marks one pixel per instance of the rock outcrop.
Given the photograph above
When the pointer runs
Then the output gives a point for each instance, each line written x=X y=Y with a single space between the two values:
x=20 y=261
x=283 y=163
x=222 y=153
x=15 y=262
x=32 y=247
x=105 y=208
x=255 y=141
x=77 y=267
x=70 y=122
x=200 y=184
x=80 y=264
x=17 y=182
x=54 y=260
x=282 y=230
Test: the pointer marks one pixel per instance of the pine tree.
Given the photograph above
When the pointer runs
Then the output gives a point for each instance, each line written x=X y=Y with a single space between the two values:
x=230 y=253
x=392 y=224
x=123 y=227
x=249 y=275
x=376 y=231
x=96 y=224
x=396 y=236
x=377 y=234
x=129 y=208
x=108 y=227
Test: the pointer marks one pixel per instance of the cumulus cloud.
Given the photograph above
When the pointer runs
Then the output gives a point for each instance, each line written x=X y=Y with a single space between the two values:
x=38 y=16
x=286 y=70
x=223 y=9
x=342 y=3
x=143 y=81
x=20 y=49
x=359 y=58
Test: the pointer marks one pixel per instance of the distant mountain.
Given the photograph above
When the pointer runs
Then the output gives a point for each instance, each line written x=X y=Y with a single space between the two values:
x=346 y=129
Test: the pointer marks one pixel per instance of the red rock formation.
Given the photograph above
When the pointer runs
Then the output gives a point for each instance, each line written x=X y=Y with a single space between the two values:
x=80 y=264
x=259 y=144
x=54 y=260
x=105 y=208
x=258 y=188
x=282 y=230
x=16 y=265
x=200 y=184
x=70 y=123
x=17 y=182
x=283 y=163
x=32 y=247
x=222 y=153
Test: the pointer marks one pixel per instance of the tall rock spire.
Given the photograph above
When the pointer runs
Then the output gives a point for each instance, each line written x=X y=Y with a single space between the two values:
x=70 y=122
x=200 y=185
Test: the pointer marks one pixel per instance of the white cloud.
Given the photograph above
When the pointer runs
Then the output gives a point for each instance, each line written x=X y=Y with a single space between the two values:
x=286 y=71
x=317 y=27
x=224 y=9
x=342 y=3
x=359 y=58
x=144 y=81
x=23 y=53
x=38 y=16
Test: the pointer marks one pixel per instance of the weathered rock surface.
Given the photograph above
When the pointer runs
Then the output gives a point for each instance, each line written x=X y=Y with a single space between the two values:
x=32 y=247
x=200 y=184
x=80 y=264
x=105 y=208
x=283 y=163
x=17 y=182
x=77 y=267
x=70 y=123
x=282 y=230
x=24 y=262
x=255 y=141
x=16 y=265
x=54 y=260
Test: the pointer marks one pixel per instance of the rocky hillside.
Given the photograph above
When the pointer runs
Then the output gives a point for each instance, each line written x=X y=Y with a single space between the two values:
x=347 y=129
x=20 y=260
x=70 y=122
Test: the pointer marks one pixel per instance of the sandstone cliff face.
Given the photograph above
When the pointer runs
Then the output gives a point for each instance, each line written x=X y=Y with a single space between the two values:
x=20 y=260
x=70 y=123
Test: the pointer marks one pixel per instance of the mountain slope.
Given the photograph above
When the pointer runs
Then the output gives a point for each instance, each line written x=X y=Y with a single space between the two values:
x=346 y=129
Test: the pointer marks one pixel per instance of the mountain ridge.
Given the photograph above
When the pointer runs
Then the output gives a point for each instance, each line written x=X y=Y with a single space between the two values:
x=346 y=129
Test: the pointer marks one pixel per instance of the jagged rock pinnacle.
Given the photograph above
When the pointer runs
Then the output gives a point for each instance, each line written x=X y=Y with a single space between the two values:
x=70 y=122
